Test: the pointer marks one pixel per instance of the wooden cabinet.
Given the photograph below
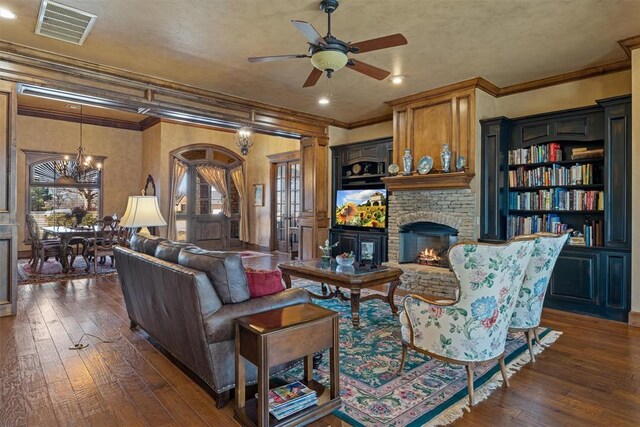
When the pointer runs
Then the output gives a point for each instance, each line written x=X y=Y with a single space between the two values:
x=360 y=166
x=8 y=221
x=594 y=280
x=422 y=125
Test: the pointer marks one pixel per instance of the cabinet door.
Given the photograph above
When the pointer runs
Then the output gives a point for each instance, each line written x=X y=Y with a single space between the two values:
x=616 y=285
x=584 y=125
x=495 y=184
x=348 y=242
x=574 y=282
x=375 y=243
x=617 y=224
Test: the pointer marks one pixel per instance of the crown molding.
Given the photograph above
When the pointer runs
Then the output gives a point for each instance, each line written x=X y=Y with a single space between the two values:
x=629 y=44
x=369 y=122
x=24 y=110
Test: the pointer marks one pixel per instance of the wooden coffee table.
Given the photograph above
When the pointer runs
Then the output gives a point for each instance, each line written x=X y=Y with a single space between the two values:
x=355 y=279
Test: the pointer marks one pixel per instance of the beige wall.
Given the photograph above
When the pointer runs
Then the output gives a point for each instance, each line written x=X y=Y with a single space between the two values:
x=580 y=93
x=160 y=140
x=122 y=149
x=635 y=185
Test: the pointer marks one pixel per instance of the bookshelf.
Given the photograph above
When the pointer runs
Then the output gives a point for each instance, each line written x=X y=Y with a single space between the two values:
x=557 y=187
x=566 y=170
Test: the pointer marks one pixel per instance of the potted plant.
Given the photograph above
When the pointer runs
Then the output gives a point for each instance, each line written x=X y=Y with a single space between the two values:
x=326 y=251
x=78 y=213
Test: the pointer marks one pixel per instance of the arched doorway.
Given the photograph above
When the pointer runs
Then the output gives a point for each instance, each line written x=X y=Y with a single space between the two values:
x=207 y=202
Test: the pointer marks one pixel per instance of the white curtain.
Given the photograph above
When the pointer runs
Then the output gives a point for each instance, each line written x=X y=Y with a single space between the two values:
x=238 y=179
x=179 y=171
x=217 y=178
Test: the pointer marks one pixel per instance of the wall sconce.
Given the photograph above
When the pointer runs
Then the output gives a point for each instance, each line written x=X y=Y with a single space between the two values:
x=244 y=139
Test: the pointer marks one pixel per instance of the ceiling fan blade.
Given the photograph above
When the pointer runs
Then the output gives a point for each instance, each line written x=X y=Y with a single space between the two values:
x=369 y=70
x=380 y=43
x=275 y=58
x=309 y=32
x=313 y=78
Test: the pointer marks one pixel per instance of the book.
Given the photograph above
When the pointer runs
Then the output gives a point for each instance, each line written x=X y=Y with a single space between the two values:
x=290 y=398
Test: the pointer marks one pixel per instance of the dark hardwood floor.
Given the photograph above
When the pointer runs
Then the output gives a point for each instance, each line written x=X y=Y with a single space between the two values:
x=590 y=376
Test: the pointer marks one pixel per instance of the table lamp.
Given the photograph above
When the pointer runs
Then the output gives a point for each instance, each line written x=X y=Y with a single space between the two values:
x=143 y=212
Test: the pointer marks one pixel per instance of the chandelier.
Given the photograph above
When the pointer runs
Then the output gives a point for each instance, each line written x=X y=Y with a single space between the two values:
x=77 y=169
x=244 y=139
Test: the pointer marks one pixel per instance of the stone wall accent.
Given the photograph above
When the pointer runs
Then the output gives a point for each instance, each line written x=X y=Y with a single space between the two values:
x=454 y=208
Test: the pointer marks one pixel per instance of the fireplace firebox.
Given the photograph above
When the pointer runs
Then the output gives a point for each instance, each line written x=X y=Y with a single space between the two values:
x=426 y=243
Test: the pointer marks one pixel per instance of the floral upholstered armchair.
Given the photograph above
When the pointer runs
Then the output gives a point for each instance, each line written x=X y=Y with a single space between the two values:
x=474 y=327
x=526 y=315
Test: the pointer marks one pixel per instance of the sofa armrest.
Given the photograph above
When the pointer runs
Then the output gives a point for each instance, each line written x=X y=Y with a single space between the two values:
x=219 y=326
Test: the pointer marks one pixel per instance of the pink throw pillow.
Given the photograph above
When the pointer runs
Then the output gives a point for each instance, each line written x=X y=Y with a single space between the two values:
x=264 y=282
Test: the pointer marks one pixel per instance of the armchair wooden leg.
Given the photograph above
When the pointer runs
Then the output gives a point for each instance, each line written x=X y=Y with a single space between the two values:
x=470 y=382
x=503 y=369
x=529 y=334
x=535 y=333
x=404 y=358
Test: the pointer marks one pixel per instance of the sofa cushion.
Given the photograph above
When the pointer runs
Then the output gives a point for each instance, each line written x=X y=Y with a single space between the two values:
x=145 y=244
x=219 y=326
x=169 y=250
x=224 y=269
x=263 y=282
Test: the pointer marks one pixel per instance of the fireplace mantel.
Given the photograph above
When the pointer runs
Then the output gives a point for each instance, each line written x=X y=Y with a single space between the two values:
x=432 y=181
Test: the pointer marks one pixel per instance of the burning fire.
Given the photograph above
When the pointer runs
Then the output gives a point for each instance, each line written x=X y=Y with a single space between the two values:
x=429 y=256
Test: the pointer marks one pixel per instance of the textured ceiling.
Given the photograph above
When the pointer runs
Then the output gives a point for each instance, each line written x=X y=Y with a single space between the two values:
x=205 y=43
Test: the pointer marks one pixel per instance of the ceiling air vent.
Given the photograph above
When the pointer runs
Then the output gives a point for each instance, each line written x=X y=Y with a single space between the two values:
x=64 y=23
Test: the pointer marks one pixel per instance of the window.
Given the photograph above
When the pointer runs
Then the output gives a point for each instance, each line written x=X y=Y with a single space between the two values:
x=51 y=198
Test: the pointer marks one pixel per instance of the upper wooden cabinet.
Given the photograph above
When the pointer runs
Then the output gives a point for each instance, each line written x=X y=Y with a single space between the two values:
x=423 y=125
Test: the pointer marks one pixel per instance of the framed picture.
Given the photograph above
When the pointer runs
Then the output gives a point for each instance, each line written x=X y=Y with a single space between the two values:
x=258 y=194
x=366 y=251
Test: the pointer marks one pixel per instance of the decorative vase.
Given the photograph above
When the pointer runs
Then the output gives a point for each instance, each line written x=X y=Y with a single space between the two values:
x=325 y=259
x=407 y=161
x=461 y=163
x=445 y=158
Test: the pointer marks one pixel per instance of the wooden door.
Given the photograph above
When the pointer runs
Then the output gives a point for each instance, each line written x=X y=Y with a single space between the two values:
x=8 y=222
x=286 y=206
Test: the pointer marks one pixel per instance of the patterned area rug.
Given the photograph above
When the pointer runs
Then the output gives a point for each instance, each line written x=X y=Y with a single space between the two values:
x=430 y=392
x=52 y=271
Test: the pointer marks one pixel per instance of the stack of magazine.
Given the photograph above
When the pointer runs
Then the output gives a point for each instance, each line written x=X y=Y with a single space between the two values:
x=291 y=398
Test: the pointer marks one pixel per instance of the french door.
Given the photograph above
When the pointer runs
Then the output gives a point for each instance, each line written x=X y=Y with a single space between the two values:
x=198 y=207
x=286 y=206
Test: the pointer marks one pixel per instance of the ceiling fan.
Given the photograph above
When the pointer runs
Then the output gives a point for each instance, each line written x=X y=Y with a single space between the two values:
x=329 y=54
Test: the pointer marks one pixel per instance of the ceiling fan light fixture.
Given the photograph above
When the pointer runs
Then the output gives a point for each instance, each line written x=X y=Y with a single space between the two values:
x=329 y=60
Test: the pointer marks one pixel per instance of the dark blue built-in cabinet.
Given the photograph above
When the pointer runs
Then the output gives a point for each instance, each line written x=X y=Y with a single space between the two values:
x=587 y=279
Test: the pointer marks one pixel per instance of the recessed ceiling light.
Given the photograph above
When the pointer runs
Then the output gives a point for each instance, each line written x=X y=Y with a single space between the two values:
x=323 y=101
x=396 y=80
x=6 y=13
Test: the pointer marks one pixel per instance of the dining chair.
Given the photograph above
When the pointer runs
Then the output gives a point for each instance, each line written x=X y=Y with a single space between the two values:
x=79 y=243
x=101 y=245
x=528 y=309
x=473 y=328
x=42 y=250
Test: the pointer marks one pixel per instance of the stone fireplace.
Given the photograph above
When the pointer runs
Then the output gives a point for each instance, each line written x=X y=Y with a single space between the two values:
x=423 y=219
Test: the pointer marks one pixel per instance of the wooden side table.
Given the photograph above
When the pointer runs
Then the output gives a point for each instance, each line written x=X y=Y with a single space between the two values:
x=278 y=336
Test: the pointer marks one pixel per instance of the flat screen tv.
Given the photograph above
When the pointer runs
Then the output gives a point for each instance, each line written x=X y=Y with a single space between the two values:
x=361 y=208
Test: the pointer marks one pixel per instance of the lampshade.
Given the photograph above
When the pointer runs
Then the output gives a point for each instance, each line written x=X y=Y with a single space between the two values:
x=329 y=60
x=142 y=211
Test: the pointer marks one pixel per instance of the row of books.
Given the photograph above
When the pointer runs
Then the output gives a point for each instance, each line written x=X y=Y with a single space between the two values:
x=592 y=234
x=517 y=225
x=291 y=398
x=586 y=153
x=551 y=175
x=557 y=199
x=536 y=154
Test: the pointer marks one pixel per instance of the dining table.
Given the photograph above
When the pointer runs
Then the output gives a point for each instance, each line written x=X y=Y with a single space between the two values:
x=65 y=234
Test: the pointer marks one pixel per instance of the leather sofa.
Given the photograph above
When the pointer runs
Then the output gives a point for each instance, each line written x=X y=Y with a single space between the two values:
x=186 y=299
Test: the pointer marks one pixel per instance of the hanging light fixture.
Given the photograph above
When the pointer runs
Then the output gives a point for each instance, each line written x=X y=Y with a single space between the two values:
x=78 y=170
x=244 y=139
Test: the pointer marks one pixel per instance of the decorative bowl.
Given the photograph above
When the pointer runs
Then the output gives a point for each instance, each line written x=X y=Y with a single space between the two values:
x=345 y=261
x=345 y=269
